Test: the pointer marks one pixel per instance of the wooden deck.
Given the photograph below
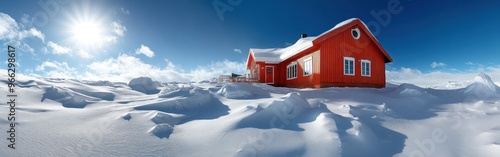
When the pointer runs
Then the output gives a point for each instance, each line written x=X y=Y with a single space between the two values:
x=242 y=78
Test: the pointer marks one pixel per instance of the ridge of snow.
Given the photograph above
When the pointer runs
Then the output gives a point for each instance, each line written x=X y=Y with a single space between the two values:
x=485 y=80
x=483 y=88
x=242 y=91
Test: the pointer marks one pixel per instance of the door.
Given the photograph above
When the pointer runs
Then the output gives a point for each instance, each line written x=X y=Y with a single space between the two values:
x=269 y=74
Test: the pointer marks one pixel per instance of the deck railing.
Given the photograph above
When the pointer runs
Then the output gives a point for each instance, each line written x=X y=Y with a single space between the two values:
x=242 y=78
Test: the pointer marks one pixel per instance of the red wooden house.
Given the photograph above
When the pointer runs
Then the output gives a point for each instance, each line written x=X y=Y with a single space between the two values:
x=348 y=55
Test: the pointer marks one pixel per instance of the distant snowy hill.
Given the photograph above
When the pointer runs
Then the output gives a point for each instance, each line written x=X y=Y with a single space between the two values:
x=61 y=117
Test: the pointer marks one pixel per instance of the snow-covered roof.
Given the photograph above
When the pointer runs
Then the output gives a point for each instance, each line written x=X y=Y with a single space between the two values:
x=299 y=46
x=271 y=55
x=276 y=55
x=343 y=23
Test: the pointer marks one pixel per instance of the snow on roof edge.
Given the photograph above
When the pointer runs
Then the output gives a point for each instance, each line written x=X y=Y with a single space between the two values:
x=343 y=23
x=301 y=45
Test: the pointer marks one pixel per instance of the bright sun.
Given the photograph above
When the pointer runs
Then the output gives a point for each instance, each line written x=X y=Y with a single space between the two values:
x=87 y=33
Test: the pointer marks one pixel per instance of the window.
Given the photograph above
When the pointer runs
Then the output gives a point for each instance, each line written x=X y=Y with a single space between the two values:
x=291 y=71
x=348 y=66
x=365 y=68
x=355 y=33
x=308 y=66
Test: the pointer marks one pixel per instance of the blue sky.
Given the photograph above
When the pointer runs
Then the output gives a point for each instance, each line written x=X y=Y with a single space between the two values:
x=179 y=40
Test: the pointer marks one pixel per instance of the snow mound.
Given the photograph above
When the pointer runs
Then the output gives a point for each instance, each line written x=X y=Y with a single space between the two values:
x=164 y=124
x=27 y=84
x=482 y=87
x=175 y=91
x=408 y=90
x=67 y=99
x=161 y=118
x=292 y=103
x=96 y=94
x=242 y=91
x=162 y=130
x=144 y=84
x=279 y=114
x=98 y=83
x=187 y=98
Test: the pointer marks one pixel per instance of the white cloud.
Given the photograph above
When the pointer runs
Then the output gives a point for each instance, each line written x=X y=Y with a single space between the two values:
x=437 y=64
x=214 y=70
x=237 y=50
x=84 y=54
x=118 y=29
x=8 y=27
x=58 y=49
x=32 y=32
x=14 y=33
x=170 y=65
x=145 y=50
x=54 y=69
x=26 y=47
x=115 y=31
x=125 y=11
x=11 y=31
x=26 y=20
x=474 y=64
x=125 y=67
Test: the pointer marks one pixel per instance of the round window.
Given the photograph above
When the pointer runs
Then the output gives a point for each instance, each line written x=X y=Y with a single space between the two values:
x=355 y=33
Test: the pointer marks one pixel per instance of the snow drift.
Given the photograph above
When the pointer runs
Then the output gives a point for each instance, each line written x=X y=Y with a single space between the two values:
x=278 y=114
x=242 y=91
x=144 y=85
x=482 y=88
x=233 y=119
x=64 y=97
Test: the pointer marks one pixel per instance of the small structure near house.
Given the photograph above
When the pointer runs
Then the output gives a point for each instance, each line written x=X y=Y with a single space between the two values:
x=348 y=55
x=235 y=78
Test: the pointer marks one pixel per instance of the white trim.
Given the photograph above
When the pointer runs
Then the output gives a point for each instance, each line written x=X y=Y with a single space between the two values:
x=288 y=76
x=265 y=75
x=357 y=31
x=353 y=66
x=304 y=68
x=369 y=67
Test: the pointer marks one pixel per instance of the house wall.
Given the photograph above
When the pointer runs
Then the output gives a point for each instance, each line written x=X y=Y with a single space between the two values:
x=342 y=45
x=260 y=74
x=310 y=81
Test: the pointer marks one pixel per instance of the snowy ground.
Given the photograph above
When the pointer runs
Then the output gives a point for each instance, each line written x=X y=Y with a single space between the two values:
x=58 y=117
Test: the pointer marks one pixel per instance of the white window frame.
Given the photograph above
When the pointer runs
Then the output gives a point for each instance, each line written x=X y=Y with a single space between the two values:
x=363 y=70
x=357 y=31
x=353 y=66
x=291 y=71
x=308 y=67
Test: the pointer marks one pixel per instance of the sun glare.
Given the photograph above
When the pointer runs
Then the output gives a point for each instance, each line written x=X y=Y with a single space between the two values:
x=87 y=33
x=85 y=26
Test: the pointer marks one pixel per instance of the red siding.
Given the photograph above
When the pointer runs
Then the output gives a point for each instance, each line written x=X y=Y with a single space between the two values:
x=343 y=45
x=302 y=81
x=260 y=75
x=328 y=54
